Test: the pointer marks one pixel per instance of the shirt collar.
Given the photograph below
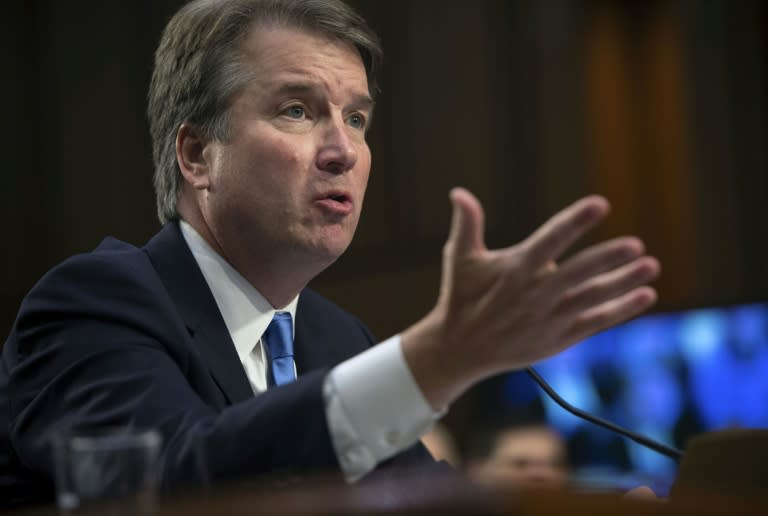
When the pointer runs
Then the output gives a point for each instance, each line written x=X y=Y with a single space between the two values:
x=245 y=311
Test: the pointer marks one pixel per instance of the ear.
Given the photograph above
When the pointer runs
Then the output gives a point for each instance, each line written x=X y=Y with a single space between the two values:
x=190 y=144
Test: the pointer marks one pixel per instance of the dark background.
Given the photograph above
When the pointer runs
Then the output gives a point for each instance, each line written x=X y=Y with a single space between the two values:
x=660 y=105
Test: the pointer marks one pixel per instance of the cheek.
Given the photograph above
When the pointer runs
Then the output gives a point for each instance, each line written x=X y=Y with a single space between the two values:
x=364 y=165
x=276 y=154
x=276 y=163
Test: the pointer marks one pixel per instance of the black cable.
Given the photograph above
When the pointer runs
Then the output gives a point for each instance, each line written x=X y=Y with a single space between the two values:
x=670 y=452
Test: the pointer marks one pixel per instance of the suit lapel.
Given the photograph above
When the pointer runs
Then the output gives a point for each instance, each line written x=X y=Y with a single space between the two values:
x=186 y=285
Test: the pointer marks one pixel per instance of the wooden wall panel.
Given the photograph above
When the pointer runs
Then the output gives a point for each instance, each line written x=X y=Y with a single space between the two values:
x=639 y=139
x=660 y=105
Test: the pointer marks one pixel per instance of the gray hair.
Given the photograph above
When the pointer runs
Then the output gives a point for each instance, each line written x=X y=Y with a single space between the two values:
x=199 y=69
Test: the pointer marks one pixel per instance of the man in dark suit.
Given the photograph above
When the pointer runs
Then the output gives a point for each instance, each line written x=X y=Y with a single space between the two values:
x=258 y=111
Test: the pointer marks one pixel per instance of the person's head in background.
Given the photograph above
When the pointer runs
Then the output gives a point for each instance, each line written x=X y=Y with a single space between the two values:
x=526 y=455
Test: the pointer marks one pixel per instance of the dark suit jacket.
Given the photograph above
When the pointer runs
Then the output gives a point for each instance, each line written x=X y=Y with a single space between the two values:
x=130 y=336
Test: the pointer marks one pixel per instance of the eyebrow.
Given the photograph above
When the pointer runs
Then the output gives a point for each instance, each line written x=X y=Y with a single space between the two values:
x=359 y=101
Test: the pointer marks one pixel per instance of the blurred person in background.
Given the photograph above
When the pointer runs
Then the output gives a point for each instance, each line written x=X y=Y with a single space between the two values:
x=524 y=455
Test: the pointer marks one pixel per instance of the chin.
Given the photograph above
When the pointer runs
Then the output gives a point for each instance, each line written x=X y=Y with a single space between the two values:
x=329 y=250
x=323 y=246
x=331 y=253
x=322 y=250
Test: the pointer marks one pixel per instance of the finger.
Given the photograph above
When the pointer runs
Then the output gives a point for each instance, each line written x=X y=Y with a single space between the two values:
x=467 y=224
x=611 y=313
x=598 y=259
x=609 y=285
x=563 y=229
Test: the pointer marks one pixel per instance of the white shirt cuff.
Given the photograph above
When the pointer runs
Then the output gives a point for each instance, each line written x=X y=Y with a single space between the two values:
x=374 y=408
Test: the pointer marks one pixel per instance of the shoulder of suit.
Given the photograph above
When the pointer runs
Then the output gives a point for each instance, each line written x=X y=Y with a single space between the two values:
x=113 y=271
x=112 y=259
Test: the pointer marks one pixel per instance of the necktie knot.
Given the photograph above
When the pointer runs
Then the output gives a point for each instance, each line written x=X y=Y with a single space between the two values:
x=279 y=342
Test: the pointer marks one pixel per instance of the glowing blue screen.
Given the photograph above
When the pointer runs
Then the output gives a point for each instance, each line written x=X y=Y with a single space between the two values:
x=668 y=376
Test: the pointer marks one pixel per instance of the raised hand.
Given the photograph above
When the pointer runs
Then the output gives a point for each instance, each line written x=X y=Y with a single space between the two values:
x=508 y=308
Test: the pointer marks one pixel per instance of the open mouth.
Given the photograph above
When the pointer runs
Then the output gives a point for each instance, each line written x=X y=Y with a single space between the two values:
x=336 y=196
x=336 y=202
x=339 y=198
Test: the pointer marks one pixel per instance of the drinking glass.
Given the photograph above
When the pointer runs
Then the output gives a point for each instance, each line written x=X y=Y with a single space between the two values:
x=115 y=469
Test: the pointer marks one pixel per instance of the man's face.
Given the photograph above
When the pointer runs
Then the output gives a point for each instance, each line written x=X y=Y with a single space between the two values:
x=529 y=457
x=288 y=185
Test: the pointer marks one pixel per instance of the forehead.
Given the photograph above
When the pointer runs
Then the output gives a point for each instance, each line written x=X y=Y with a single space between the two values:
x=527 y=442
x=279 y=54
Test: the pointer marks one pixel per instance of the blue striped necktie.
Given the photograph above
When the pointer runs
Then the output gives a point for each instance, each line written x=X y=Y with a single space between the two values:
x=279 y=341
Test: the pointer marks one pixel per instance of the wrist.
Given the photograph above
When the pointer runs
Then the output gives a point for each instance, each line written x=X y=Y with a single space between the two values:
x=434 y=363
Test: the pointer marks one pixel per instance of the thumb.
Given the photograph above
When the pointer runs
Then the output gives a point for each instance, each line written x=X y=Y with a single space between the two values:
x=467 y=224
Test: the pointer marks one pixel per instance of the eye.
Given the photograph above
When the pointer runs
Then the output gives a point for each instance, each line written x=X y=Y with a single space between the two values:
x=295 y=112
x=356 y=120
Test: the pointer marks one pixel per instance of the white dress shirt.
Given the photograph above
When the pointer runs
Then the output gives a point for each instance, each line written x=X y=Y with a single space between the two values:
x=373 y=406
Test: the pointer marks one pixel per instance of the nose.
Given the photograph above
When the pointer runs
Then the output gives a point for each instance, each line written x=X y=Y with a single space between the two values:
x=338 y=152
